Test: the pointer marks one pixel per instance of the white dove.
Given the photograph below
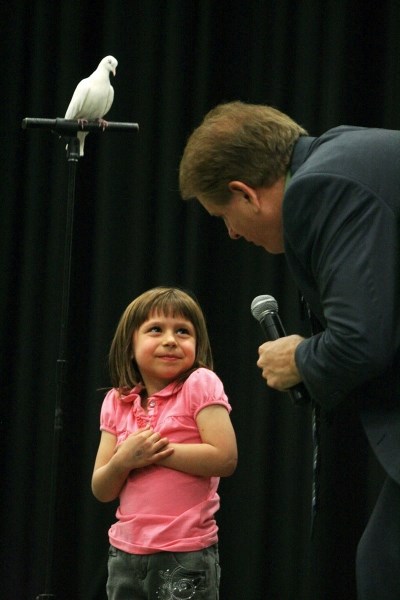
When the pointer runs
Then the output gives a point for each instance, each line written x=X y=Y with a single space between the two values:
x=93 y=97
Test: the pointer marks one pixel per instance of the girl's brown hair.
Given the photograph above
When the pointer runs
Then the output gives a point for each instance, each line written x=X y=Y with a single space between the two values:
x=168 y=301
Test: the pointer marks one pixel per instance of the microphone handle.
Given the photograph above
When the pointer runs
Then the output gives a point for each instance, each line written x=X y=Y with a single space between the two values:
x=273 y=329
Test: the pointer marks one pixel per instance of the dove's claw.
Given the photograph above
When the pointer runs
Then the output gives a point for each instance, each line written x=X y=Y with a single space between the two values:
x=102 y=123
x=82 y=122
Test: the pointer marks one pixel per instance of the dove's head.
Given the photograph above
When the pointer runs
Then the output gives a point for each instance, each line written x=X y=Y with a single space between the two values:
x=110 y=63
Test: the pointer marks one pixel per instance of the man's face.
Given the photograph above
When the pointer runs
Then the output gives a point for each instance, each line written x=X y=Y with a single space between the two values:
x=252 y=214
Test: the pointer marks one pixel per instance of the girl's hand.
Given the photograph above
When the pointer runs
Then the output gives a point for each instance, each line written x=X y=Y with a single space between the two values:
x=143 y=448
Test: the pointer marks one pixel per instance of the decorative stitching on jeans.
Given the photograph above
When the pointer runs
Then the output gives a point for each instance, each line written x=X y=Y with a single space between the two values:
x=175 y=588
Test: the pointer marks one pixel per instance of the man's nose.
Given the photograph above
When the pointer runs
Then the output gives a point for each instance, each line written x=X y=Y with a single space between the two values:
x=232 y=233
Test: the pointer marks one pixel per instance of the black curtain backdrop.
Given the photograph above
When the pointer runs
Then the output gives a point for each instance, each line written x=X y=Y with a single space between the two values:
x=325 y=63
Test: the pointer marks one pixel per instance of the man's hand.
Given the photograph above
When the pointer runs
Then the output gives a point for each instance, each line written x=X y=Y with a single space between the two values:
x=276 y=360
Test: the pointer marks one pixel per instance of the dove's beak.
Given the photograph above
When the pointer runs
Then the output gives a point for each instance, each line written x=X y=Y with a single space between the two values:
x=114 y=72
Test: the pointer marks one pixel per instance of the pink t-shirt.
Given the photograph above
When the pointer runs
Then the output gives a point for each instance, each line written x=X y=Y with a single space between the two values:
x=162 y=509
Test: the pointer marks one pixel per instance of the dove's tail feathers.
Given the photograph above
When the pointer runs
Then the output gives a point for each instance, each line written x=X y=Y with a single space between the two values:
x=81 y=137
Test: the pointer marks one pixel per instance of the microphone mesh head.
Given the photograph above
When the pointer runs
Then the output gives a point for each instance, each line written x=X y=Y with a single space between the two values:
x=263 y=304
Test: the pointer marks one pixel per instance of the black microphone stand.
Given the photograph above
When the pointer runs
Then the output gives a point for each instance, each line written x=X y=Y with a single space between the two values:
x=68 y=129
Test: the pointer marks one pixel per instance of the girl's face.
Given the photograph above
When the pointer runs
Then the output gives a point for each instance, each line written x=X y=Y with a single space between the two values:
x=164 y=348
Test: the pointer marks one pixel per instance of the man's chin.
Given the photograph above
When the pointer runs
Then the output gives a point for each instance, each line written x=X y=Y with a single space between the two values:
x=271 y=248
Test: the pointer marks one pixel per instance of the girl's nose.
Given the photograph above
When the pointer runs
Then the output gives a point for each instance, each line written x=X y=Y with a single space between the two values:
x=169 y=339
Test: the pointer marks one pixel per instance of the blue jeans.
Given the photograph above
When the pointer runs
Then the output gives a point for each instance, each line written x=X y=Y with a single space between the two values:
x=164 y=575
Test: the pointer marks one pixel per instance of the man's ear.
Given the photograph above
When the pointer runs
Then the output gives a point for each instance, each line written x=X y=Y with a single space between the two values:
x=241 y=188
x=248 y=192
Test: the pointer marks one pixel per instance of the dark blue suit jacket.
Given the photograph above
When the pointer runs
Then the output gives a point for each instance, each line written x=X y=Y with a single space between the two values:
x=341 y=216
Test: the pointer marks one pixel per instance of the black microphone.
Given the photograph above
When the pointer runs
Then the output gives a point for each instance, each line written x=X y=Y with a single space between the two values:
x=265 y=310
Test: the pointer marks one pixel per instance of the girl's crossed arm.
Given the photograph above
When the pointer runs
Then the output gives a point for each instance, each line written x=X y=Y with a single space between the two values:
x=216 y=455
x=114 y=463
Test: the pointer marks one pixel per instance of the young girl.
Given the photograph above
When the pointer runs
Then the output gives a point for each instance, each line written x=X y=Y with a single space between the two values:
x=166 y=440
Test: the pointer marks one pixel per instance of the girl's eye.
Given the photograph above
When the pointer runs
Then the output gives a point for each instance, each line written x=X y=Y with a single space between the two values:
x=155 y=329
x=183 y=331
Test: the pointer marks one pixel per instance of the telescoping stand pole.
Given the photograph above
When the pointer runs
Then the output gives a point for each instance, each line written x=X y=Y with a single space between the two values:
x=68 y=129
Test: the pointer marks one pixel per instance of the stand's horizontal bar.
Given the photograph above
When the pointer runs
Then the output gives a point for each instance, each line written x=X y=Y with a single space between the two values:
x=71 y=127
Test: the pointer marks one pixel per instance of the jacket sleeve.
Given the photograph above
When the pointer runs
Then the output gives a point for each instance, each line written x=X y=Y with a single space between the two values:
x=347 y=240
